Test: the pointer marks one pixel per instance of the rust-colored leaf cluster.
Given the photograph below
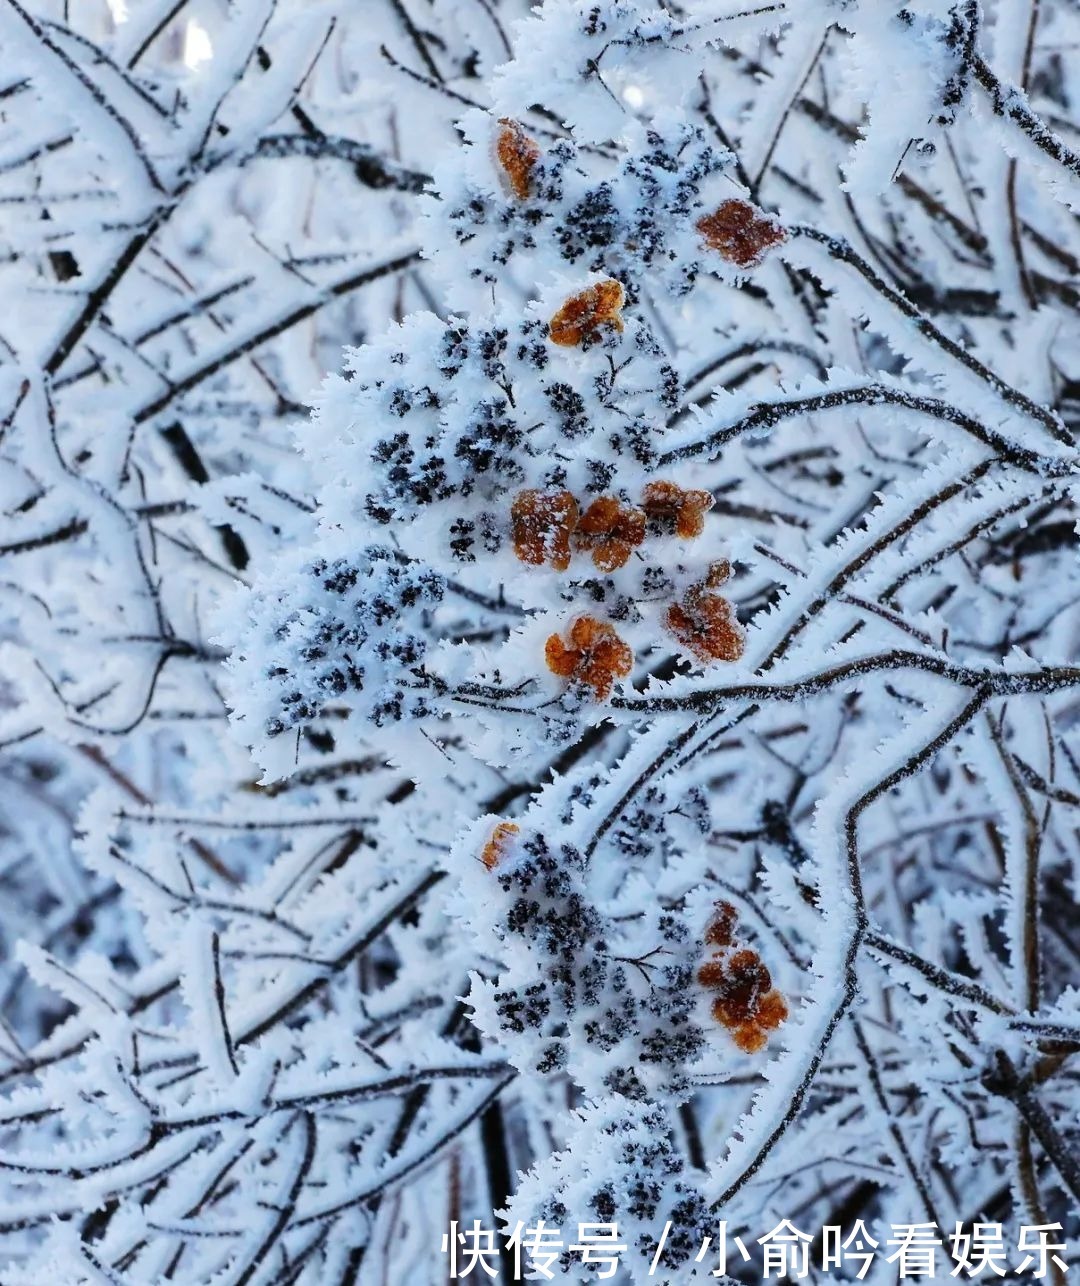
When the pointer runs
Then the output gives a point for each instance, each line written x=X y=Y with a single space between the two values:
x=583 y=317
x=546 y=525
x=673 y=508
x=593 y=655
x=611 y=530
x=541 y=524
x=744 y=999
x=495 y=849
x=517 y=154
x=704 y=621
x=740 y=232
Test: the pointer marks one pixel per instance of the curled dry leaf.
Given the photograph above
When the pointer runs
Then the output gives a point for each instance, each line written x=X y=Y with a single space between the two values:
x=611 y=530
x=721 y=928
x=594 y=655
x=584 y=316
x=517 y=154
x=744 y=998
x=740 y=232
x=673 y=508
x=495 y=849
x=719 y=574
x=541 y=524
x=705 y=623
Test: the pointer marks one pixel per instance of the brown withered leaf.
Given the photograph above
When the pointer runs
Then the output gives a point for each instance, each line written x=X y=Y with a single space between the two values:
x=720 y=931
x=611 y=530
x=517 y=154
x=667 y=504
x=541 y=524
x=584 y=316
x=705 y=624
x=594 y=655
x=740 y=232
x=494 y=850
x=744 y=1000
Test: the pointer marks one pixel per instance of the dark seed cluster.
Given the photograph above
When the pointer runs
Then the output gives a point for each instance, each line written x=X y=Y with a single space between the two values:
x=342 y=636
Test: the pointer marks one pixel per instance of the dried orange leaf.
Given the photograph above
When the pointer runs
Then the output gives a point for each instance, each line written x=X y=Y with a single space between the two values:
x=517 y=154
x=595 y=656
x=740 y=232
x=495 y=849
x=705 y=624
x=583 y=317
x=541 y=523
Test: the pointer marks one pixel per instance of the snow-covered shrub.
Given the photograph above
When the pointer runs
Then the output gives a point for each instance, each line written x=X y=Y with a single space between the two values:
x=660 y=655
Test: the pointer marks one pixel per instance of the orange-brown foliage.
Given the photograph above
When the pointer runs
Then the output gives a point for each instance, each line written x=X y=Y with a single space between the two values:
x=583 y=316
x=752 y=1035
x=594 y=656
x=772 y=1011
x=745 y=981
x=668 y=504
x=612 y=530
x=712 y=972
x=517 y=153
x=496 y=846
x=541 y=523
x=721 y=928
x=719 y=574
x=740 y=232
x=744 y=999
x=705 y=623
